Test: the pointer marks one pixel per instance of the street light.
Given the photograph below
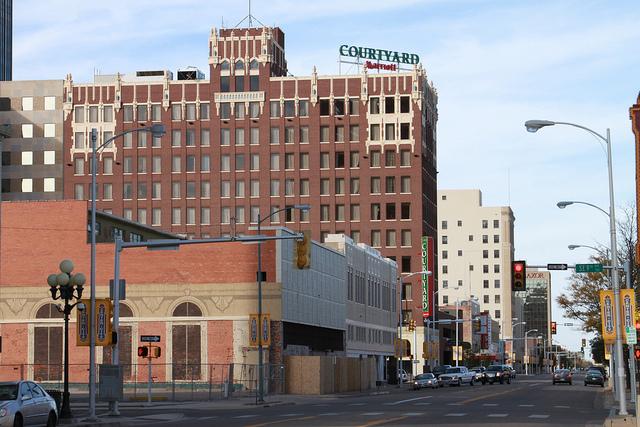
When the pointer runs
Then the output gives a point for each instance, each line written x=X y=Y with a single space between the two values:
x=526 y=350
x=513 y=343
x=157 y=130
x=533 y=126
x=260 y=363
x=400 y=321
x=566 y=203
x=66 y=286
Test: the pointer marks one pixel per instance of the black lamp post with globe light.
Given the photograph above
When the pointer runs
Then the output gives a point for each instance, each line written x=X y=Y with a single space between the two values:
x=67 y=287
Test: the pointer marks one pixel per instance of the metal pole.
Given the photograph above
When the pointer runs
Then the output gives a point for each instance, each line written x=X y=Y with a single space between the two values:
x=616 y=286
x=65 y=411
x=632 y=360
x=401 y=342
x=435 y=319
x=92 y=305
x=115 y=354
x=414 y=367
x=457 y=349
x=526 y=355
x=260 y=373
x=150 y=377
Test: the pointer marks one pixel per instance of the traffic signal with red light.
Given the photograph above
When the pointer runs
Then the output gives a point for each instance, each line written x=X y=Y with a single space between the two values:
x=143 y=351
x=554 y=328
x=637 y=353
x=518 y=276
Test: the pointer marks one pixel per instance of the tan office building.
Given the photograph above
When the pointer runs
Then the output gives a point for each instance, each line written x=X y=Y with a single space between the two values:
x=475 y=252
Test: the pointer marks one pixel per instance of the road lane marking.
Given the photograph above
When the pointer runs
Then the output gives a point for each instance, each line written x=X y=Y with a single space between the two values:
x=246 y=416
x=383 y=421
x=497 y=415
x=372 y=414
x=541 y=417
x=291 y=415
x=489 y=404
x=357 y=404
x=454 y=404
x=486 y=396
x=562 y=407
x=526 y=406
x=456 y=414
x=321 y=404
x=278 y=421
x=422 y=404
x=413 y=414
x=328 y=414
x=408 y=400
x=207 y=418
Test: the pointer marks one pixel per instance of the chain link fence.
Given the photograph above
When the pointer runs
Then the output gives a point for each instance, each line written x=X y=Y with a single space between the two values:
x=169 y=382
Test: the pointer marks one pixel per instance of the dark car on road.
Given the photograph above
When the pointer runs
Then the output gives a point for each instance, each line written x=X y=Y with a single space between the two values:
x=594 y=376
x=600 y=369
x=562 y=376
x=439 y=370
x=498 y=374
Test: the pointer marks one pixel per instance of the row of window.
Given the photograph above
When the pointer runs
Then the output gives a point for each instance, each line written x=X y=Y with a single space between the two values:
x=485 y=254
x=369 y=336
x=485 y=239
x=485 y=284
x=485 y=224
x=140 y=113
x=48 y=130
x=28 y=158
x=27 y=185
x=49 y=103
x=485 y=268
x=370 y=291
x=485 y=300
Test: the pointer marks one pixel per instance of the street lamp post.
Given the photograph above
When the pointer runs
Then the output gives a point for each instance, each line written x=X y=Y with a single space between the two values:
x=533 y=126
x=156 y=130
x=400 y=321
x=526 y=350
x=260 y=354
x=513 y=344
x=66 y=286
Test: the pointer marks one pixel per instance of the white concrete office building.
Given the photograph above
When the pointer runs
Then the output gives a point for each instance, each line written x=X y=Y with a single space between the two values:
x=475 y=251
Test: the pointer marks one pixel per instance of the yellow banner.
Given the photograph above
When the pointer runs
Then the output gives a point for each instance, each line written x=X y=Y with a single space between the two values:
x=263 y=327
x=103 y=314
x=607 y=315
x=253 y=330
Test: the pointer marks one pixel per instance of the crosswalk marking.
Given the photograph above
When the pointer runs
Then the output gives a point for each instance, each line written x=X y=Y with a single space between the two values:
x=357 y=404
x=207 y=418
x=422 y=404
x=372 y=414
x=562 y=407
x=541 y=417
x=246 y=416
x=456 y=414
x=497 y=415
x=489 y=404
x=328 y=414
x=454 y=404
x=526 y=406
x=291 y=415
x=413 y=414
x=408 y=400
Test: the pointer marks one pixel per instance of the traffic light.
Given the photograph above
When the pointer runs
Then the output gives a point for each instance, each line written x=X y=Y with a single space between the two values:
x=155 y=352
x=143 y=351
x=554 y=328
x=636 y=353
x=476 y=325
x=584 y=342
x=412 y=325
x=302 y=252
x=518 y=276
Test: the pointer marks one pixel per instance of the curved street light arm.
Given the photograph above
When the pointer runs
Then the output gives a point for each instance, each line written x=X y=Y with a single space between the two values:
x=591 y=131
x=589 y=204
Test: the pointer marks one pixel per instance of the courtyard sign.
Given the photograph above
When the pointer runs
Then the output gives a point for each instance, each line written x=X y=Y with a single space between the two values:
x=368 y=53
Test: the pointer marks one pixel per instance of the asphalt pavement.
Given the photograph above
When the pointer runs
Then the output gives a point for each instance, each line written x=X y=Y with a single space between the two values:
x=527 y=401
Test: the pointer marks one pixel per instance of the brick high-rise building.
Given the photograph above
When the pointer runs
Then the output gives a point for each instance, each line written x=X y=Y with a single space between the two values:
x=360 y=149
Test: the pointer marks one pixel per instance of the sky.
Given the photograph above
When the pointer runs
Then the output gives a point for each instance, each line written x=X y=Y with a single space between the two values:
x=495 y=64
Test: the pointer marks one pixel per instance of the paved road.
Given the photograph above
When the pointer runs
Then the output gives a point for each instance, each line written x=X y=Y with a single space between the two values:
x=525 y=402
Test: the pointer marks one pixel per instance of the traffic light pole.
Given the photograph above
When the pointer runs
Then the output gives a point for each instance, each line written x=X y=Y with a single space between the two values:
x=150 y=377
x=632 y=360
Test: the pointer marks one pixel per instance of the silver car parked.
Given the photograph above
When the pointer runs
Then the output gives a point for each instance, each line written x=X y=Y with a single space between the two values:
x=25 y=403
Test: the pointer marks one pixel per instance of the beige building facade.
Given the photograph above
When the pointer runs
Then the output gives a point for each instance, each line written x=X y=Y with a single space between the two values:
x=475 y=251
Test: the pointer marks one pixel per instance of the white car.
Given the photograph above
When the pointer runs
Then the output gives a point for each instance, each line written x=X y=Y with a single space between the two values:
x=403 y=376
x=425 y=380
x=25 y=403
x=457 y=375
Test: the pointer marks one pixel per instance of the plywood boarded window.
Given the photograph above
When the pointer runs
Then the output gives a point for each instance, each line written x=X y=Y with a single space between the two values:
x=186 y=339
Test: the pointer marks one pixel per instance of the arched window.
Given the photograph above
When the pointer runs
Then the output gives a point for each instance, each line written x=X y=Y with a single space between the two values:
x=187 y=309
x=224 y=65
x=186 y=341
x=239 y=65
x=253 y=65
x=47 y=348
x=125 y=344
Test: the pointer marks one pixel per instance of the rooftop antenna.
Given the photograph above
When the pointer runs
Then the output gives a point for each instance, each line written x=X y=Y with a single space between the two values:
x=251 y=18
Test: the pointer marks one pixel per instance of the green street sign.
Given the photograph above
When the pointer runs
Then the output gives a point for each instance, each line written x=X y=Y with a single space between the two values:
x=588 y=268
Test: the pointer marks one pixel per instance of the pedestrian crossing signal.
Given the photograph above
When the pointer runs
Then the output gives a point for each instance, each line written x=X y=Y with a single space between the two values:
x=554 y=328
x=143 y=351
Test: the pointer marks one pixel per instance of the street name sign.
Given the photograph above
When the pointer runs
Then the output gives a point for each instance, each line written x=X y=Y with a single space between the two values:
x=557 y=266
x=149 y=338
x=632 y=336
x=588 y=268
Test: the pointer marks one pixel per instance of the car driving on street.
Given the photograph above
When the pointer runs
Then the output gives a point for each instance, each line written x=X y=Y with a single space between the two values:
x=498 y=374
x=562 y=376
x=457 y=376
x=424 y=381
x=594 y=376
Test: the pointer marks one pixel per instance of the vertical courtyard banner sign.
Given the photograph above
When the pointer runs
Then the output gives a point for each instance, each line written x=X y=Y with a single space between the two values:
x=369 y=54
x=427 y=280
x=607 y=313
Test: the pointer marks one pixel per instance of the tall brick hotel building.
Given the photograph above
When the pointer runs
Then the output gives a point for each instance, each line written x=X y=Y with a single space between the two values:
x=360 y=149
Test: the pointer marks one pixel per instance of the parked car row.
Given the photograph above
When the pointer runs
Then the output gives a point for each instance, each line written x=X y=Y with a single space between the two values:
x=459 y=375
x=595 y=375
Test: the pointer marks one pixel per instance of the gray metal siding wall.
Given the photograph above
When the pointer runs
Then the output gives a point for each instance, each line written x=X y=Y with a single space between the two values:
x=316 y=296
